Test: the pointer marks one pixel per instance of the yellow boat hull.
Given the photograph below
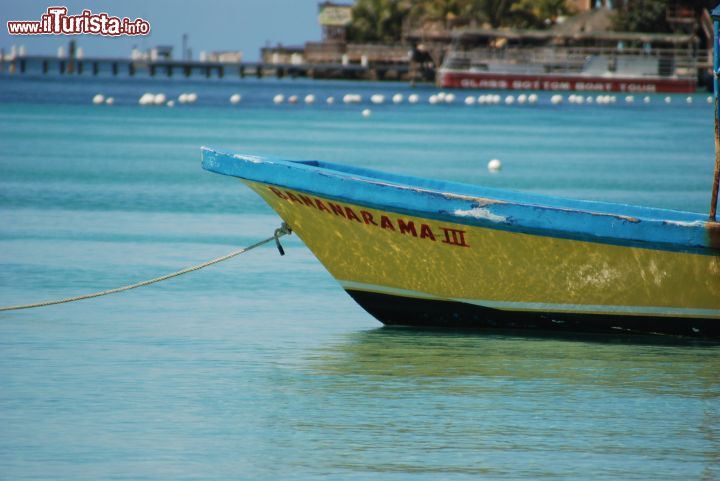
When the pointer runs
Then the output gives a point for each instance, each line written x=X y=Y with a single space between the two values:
x=416 y=271
x=422 y=252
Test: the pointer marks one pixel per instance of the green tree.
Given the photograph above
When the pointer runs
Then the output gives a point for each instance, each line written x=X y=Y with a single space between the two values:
x=498 y=13
x=642 y=16
x=541 y=13
x=518 y=13
x=382 y=20
x=448 y=12
x=378 y=21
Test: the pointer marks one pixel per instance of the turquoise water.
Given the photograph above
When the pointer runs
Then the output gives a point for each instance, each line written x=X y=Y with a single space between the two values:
x=262 y=367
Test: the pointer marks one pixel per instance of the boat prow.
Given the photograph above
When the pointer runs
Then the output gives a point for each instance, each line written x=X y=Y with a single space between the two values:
x=423 y=252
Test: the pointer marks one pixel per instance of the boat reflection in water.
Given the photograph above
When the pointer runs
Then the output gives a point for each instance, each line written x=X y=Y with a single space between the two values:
x=643 y=362
x=495 y=405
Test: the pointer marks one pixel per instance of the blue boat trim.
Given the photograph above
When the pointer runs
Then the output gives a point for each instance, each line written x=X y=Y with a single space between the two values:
x=446 y=216
x=601 y=222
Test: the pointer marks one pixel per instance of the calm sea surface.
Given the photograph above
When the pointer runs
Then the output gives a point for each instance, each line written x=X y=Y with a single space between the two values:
x=262 y=367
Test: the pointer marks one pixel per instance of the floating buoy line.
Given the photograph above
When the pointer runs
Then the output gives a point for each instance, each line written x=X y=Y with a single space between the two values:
x=279 y=232
x=437 y=98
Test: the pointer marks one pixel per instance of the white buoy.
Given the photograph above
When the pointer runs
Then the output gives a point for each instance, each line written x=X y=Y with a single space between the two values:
x=192 y=97
x=533 y=98
x=309 y=99
x=377 y=99
x=469 y=100
x=278 y=99
x=413 y=98
x=709 y=99
x=235 y=99
x=159 y=99
x=494 y=165
x=689 y=100
x=146 y=99
x=366 y=113
x=397 y=98
x=589 y=99
x=433 y=99
x=330 y=100
x=182 y=98
x=629 y=99
x=482 y=99
x=521 y=99
x=613 y=99
x=509 y=100
x=352 y=98
x=109 y=101
x=293 y=99
x=579 y=99
x=98 y=99
x=646 y=99
x=496 y=99
x=556 y=99
x=449 y=98
x=440 y=96
x=170 y=103
x=668 y=100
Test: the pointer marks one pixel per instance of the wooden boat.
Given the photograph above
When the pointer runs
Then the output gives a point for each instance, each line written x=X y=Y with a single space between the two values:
x=421 y=252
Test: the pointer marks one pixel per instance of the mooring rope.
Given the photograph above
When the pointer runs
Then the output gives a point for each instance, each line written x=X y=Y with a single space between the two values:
x=281 y=231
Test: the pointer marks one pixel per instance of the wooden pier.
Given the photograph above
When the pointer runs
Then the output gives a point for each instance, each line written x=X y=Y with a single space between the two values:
x=116 y=67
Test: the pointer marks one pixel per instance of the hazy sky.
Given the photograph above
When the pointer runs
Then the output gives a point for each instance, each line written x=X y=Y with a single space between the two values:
x=245 y=25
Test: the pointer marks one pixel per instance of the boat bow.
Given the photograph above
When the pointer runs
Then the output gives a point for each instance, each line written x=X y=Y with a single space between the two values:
x=425 y=252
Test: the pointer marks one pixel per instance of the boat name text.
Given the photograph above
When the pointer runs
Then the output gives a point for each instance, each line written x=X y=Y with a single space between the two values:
x=448 y=235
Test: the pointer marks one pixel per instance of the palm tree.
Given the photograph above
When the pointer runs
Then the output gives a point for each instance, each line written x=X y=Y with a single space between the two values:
x=446 y=11
x=382 y=20
x=513 y=13
x=537 y=13
x=378 y=20
x=645 y=16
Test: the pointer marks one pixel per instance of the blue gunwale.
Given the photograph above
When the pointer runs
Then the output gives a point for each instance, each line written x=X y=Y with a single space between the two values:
x=536 y=214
